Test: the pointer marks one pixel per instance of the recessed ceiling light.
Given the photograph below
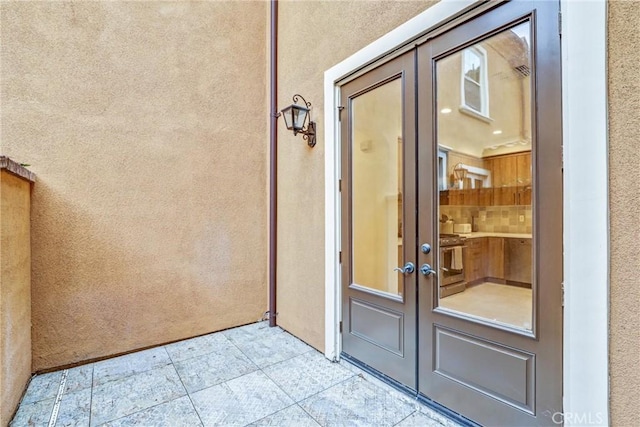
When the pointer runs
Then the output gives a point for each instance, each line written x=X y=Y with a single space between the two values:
x=445 y=110
x=497 y=132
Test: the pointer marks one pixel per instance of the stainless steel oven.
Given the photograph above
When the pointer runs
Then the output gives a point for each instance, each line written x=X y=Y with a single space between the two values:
x=451 y=264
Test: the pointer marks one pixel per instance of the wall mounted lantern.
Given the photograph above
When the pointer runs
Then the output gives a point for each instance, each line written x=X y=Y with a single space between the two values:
x=295 y=117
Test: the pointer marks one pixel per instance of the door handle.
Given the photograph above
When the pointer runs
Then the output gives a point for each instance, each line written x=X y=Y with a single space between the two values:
x=427 y=270
x=407 y=269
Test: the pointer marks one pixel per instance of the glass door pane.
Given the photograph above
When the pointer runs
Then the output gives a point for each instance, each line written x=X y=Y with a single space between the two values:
x=485 y=222
x=376 y=188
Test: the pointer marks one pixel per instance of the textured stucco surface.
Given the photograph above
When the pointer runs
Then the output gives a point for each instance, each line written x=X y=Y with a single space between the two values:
x=143 y=123
x=624 y=181
x=328 y=33
x=15 y=292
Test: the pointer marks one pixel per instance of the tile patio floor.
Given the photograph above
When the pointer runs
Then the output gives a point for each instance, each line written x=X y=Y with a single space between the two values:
x=251 y=375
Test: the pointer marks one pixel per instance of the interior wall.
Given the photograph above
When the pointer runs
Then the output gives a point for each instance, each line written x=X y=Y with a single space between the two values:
x=508 y=103
x=624 y=218
x=15 y=292
x=148 y=136
x=376 y=185
x=314 y=36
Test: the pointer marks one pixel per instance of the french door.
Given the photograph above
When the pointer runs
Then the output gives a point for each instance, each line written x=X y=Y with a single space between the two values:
x=452 y=217
x=379 y=222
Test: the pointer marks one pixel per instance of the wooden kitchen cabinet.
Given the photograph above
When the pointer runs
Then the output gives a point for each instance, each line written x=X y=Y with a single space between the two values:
x=495 y=255
x=504 y=196
x=474 y=259
x=524 y=178
x=444 y=198
x=523 y=196
x=517 y=255
x=523 y=169
x=497 y=259
x=511 y=179
x=484 y=259
x=456 y=197
x=510 y=184
x=485 y=196
x=470 y=197
x=504 y=171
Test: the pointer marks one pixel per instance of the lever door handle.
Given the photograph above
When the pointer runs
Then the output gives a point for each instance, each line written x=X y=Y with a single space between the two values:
x=407 y=269
x=427 y=270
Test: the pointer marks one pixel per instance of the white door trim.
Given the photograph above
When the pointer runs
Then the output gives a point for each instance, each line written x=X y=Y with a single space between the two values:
x=586 y=222
x=586 y=261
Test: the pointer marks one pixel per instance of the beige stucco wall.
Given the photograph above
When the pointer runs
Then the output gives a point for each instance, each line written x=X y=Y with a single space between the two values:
x=624 y=174
x=314 y=36
x=145 y=123
x=15 y=292
x=339 y=29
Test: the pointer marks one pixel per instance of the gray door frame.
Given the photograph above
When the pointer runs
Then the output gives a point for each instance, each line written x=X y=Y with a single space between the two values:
x=585 y=345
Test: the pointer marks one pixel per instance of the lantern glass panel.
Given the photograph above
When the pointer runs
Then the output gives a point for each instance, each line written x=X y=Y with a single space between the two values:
x=299 y=116
x=287 y=114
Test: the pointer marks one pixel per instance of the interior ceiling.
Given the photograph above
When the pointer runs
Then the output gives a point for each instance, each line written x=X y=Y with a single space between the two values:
x=375 y=110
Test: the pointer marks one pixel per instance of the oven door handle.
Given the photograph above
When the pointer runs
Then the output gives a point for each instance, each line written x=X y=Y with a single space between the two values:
x=450 y=248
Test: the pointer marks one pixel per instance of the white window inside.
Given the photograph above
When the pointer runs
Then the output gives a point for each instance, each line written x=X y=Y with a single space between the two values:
x=443 y=179
x=475 y=94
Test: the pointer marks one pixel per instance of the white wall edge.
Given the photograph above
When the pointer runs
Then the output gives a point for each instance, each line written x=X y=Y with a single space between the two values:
x=586 y=227
x=332 y=221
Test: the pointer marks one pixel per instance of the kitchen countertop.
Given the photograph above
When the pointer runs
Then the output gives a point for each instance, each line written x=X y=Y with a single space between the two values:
x=495 y=234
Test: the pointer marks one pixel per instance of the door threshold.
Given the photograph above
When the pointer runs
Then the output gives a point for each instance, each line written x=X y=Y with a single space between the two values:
x=431 y=404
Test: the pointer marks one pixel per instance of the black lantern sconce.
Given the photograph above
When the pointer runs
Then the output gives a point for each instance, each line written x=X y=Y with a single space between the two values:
x=296 y=116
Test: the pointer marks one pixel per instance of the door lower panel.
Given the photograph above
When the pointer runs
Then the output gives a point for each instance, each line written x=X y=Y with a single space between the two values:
x=490 y=368
x=378 y=325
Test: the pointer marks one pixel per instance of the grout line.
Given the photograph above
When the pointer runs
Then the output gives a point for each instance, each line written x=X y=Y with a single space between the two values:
x=283 y=360
x=414 y=411
x=183 y=386
x=214 y=350
x=307 y=412
x=322 y=391
x=142 y=410
x=56 y=406
x=148 y=367
x=311 y=395
x=257 y=368
x=261 y=369
x=281 y=389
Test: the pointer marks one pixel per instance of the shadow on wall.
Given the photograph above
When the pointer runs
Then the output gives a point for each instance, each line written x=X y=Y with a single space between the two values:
x=107 y=281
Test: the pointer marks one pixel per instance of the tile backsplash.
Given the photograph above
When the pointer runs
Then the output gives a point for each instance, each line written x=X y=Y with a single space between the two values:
x=498 y=219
